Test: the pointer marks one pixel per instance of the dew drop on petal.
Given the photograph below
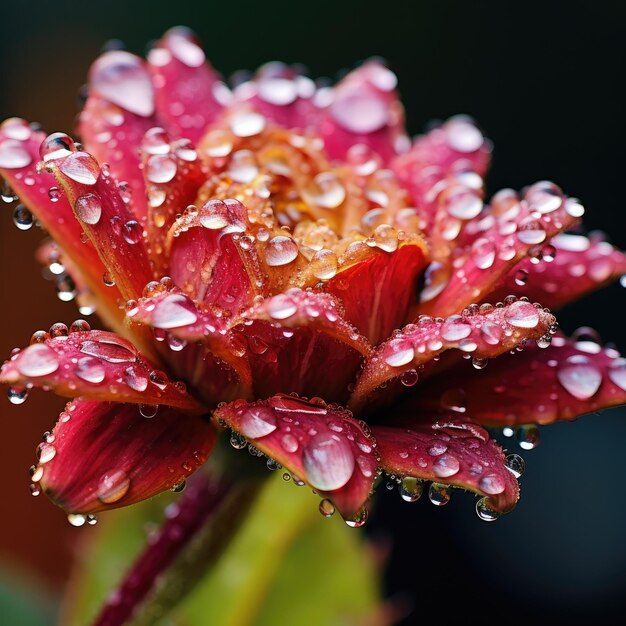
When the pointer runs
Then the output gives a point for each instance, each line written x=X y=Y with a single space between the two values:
x=257 y=422
x=439 y=494
x=491 y=484
x=455 y=328
x=160 y=168
x=515 y=464
x=23 y=218
x=37 y=360
x=247 y=123
x=13 y=155
x=528 y=436
x=522 y=314
x=484 y=512
x=90 y=370
x=445 y=466
x=76 y=519
x=400 y=352
x=358 y=519
x=579 y=377
x=81 y=167
x=113 y=486
x=328 y=462
x=521 y=277
x=136 y=378
x=617 y=373
x=173 y=312
x=410 y=489
x=327 y=508
x=88 y=208
x=281 y=307
x=280 y=250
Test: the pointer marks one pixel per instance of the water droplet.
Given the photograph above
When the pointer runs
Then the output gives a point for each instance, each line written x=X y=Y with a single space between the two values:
x=327 y=508
x=161 y=168
x=522 y=314
x=174 y=311
x=531 y=233
x=179 y=487
x=247 y=123
x=281 y=307
x=324 y=264
x=439 y=494
x=37 y=360
x=528 y=436
x=132 y=232
x=411 y=489
x=148 y=410
x=113 y=486
x=521 y=277
x=579 y=376
x=455 y=328
x=280 y=251
x=23 y=218
x=136 y=378
x=237 y=441
x=289 y=443
x=45 y=453
x=327 y=191
x=484 y=512
x=515 y=464
x=446 y=465
x=358 y=519
x=90 y=369
x=483 y=253
x=108 y=351
x=88 y=208
x=81 y=167
x=463 y=204
x=257 y=422
x=17 y=395
x=492 y=484
x=13 y=155
x=155 y=141
x=617 y=373
x=121 y=78
x=76 y=519
x=399 y=353
x=328 y=461
x=454 y=400
x=409 y=378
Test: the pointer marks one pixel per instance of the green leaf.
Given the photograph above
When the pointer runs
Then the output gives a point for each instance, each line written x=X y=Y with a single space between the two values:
x=287 y=564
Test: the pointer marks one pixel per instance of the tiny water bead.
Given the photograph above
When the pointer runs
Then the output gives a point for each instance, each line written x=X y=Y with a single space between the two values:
x=88 y=208
x=327 y=508
x=358 y=519
x=17 y=395
x=113 y=486
x=280 y=250
x=528 y=436
x=56 y=146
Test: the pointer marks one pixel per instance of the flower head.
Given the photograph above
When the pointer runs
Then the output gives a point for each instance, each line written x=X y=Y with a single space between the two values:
x=282 y=261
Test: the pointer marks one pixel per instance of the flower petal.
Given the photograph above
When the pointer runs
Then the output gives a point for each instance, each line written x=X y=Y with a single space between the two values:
x=103 y=455
x=208 y=260
x=281 y=95
x=455 y=153
x=19 y=155
x=120 y=108
x=364 y=109
x=561 y=382
x=97 y=365
x=105 y=219
x=566 y=268
x=482 y=333
x=323 y=445
x=451 y=452
x=500 y=238
x=187 y=89
x=379 y=293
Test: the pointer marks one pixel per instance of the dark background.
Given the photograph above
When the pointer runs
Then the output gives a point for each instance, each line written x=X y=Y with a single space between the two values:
x=545 y=81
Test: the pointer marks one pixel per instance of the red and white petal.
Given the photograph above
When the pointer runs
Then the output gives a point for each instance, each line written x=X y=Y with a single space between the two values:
x=281 y=95
x=561 y=382
x=322 y=444
x=363 y=109
x=104 y=455
x=496 y=242
x=379 y=293
x=483 y=333
x=294 y=340
x=211 y=258
x=566 y=268
x=105 y=218
x=19 y=156
x=450 y=452
x=188 y=92
x=120 y=108
x=97 y=365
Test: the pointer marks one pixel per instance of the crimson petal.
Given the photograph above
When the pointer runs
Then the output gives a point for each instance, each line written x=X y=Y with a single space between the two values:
x=103 y=455
x=561 y=382
x=483 y=333
x=97 y=365
x=364 y=109
x=323 y=445
x=19 y=155
x=566 y=268
x=450 y=452
x=188 y=91
x=379 y=293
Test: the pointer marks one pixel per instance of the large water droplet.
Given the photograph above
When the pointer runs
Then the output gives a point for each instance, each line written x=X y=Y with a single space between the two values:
x=280 y=251
x=174 y=311
x=327 y=508
x=358 y=519
x=580 y=377
x=492 y=484
x=257 y=422
x=515 y=464
x=90 y=369
x=446 y=465
x=485 y=512
x=14 y=155
x=361 y=111
x=121 y=78
x=88 y=208
x=528 y=436
x=455 y=328
x=37 y=360
x=328 y=462
x=113 y=486
x=439 y=494
x=81 y=167
x=247 y=123
x=411 y=489
x=522 y=314
x=281 y=307
x=399 y=353
x=108 y=351
x=160 y=168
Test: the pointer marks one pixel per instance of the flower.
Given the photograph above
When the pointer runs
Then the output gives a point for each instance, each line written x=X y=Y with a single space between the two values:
x=282 y=261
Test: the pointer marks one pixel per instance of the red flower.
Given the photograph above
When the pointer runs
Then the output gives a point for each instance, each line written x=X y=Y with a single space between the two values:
x=282 y=261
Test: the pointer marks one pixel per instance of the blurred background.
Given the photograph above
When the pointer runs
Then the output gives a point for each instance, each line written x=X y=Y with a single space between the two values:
x=545 y=82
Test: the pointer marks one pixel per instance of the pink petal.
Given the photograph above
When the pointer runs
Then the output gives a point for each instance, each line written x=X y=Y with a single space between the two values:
x=455 y=153
x=561 y=382
x=97 y=365
x=482 y=333
x=379 y=293
x=104 y=455
x=452 y=452
x=281 y=95
x=187 y=89
x=105 y=218
x=19 y=156
x=493 y=243
x=565 y=269
x=118 y=112
x=323 y=445
x=364 y=109
x=208 y=258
